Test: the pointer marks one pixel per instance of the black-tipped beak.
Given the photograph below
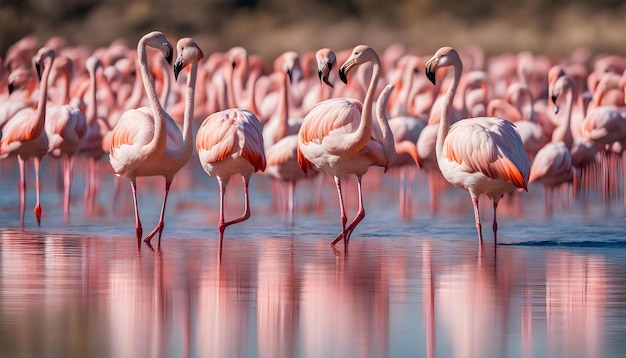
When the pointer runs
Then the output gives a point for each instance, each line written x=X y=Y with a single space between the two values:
x=38 y=68
x=342 y=75
x=170 y=56
x=290 y=75
x=556 y=108
x=178 y=66
x=11 y=88
x=430 y=74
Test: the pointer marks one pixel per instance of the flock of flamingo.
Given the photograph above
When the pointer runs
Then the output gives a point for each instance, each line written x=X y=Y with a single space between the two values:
x=517 y=118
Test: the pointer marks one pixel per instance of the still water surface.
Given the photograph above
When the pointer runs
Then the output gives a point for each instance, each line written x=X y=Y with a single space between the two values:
x=414 y=283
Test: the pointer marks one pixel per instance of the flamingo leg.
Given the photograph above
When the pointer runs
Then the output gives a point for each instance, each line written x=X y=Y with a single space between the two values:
x=495 y=222
x=291 y=203
x=161 y=223
x=138 y=228
x=344 y=218
x=221 y=225
x=246 y=213
x=68 y=171
x=37 y=190
x=22 y=166
x=357 y=219
x=477 y=218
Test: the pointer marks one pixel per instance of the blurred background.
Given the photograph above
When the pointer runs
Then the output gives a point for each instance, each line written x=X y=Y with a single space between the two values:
x=269 y=27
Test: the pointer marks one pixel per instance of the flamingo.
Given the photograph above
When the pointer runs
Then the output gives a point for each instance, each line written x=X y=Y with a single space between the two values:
x=483 y=155
x=65 y=127
x=146 y=141
x=336 y=135
x=282 y=156
x=24 y=135
x=230 y=142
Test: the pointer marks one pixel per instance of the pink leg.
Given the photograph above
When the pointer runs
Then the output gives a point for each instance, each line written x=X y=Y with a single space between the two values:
x=161 y=224
x=37 y=187
x=21 y=163
x=495 y=222
x=291 y=203
x=246 y=213
x=138 y=228
x=477 y=218
x=357 y=219
x=68 y=171
x=344 y=218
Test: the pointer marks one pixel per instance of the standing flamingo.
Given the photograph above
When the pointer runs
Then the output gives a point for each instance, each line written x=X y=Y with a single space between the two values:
x=24 y=135
x=483 y=155
x=65 y=127
x=147 y=141
x=336 y=136
x=230 y=142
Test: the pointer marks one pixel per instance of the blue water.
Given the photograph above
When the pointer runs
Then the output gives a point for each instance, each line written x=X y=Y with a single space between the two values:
x=413 y=282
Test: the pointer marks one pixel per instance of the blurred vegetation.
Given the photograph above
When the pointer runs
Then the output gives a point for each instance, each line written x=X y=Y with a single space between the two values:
x=269 y=27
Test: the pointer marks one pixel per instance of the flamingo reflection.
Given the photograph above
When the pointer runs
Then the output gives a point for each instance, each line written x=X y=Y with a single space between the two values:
x=576 y=295
x=344 y=305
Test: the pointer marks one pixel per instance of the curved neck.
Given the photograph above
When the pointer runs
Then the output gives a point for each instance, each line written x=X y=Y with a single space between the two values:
x=444 y=123
x=160 y=134
x=92 y=106
x=189 y=102
x=230 y=87
x=66 y=85
x=167 y=84
x=41 y=102
x=136 y=96
x=389 y=147
x=363 y=133
x=283 y=110
x=563 y=132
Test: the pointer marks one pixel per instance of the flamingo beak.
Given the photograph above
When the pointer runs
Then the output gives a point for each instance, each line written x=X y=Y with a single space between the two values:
x=430 y=74
x=556 y=108
x=343 y=71
x=170 y=55
x=178 y=66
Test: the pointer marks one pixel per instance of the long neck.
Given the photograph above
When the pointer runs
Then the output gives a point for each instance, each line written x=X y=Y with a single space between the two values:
x=444 y=123
x=283 y=110
x=232 y=102
x=160 y=134
x=92 y=106
x=363 y=133
x=189 y=103
x=41 y=103
x=389 y=147
x=67 y=77
x=137 y=94
x=167 y=84
x=563 y=132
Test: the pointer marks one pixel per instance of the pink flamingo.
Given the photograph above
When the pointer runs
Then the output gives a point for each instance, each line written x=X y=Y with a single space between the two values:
x=336 y=135
x=483 y=155
x=24 y=135
x=230 y=142
x=65 y=127
x=147 y=141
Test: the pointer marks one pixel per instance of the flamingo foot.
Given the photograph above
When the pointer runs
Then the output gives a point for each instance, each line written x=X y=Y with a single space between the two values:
x=157 y=229
x=38 y=212
x=139 y=232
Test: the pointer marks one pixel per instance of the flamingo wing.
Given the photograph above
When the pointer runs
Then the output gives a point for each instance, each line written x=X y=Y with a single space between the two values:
x=252 y=148
x=490 y=146
x=330 y=115
x=130 y=132
x=217 y=136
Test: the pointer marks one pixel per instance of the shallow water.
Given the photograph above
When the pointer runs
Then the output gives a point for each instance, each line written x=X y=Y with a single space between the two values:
x=413 y=282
